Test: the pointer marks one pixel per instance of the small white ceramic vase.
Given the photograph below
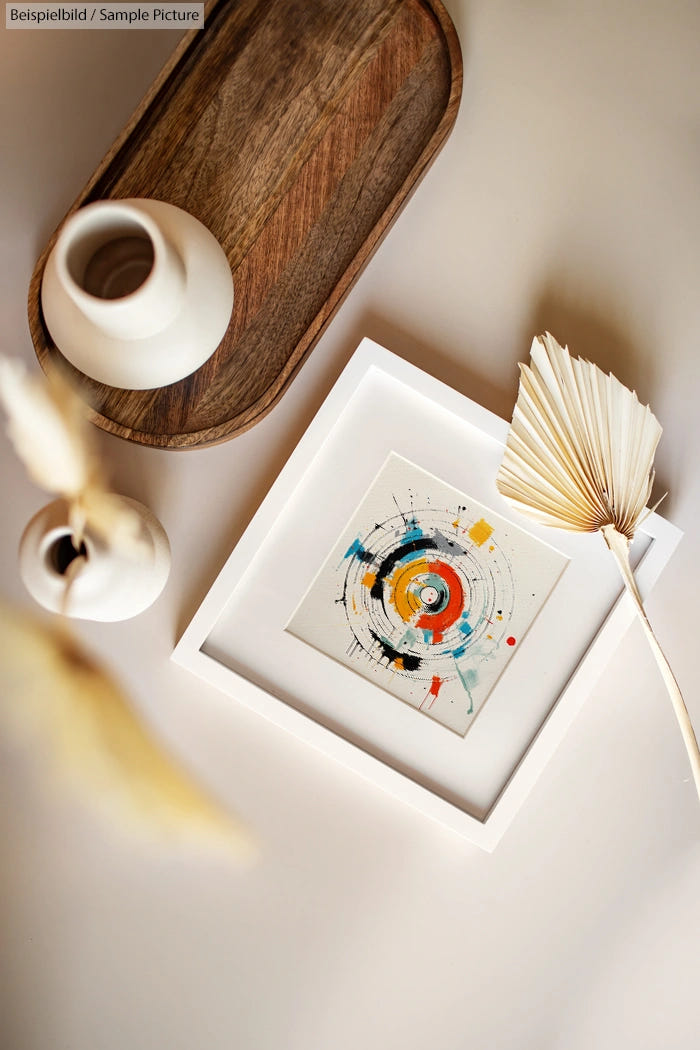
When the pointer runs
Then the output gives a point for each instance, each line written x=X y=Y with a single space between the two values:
x=136 y=293
x=112 y=585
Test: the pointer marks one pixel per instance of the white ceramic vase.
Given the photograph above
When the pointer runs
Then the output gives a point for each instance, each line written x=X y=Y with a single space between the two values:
x=136 y=293
x=112 y=585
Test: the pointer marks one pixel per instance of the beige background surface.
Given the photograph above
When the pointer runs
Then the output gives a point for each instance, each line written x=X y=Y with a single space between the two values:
x=566 y=198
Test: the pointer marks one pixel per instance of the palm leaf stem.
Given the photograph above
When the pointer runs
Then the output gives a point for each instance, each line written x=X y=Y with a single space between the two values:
x=619 y=546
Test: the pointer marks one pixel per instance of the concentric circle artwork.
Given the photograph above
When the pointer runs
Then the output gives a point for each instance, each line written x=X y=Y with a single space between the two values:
x=427 y=593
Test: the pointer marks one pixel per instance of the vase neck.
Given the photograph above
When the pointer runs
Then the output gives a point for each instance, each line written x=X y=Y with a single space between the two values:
x=120 y=270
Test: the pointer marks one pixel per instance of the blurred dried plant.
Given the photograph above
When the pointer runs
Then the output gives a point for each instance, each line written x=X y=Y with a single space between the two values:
x=48 y=427
x=49 y=688
x=53 y=693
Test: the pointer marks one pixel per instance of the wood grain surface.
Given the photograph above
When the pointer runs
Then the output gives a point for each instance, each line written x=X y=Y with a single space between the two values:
x=295 y=131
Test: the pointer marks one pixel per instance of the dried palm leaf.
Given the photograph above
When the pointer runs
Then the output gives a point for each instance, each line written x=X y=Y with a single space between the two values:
x=51 y=690
x=580 y=456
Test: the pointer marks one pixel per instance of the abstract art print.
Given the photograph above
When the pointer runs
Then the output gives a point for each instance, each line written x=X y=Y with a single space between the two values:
x=427 y=593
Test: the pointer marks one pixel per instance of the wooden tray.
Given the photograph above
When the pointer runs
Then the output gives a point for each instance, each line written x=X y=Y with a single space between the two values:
x=295 y=130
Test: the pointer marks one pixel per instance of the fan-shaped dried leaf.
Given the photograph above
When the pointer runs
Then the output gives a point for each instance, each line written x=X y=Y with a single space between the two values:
x=579 y=456
x=581 y=447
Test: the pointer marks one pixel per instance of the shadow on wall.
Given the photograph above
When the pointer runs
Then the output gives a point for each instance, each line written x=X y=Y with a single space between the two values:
x=593 y=329
x=597 y=335
x=594 y=333
x=459 y=370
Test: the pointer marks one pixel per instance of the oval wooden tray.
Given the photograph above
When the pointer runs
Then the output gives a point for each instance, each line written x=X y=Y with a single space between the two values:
x=295 y=130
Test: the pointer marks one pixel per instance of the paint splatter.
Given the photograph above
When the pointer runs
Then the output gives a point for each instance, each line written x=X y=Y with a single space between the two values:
x=480 y=532
x=433 y=691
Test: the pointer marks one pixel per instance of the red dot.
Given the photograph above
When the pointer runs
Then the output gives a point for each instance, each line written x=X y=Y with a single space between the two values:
x=510 y=641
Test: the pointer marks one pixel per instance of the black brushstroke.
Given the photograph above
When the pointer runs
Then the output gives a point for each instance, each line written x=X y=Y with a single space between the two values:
x=425 y=543
x=408 y=661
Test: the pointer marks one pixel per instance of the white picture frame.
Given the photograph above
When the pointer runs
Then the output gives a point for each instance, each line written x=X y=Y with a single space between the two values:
x=237 y=639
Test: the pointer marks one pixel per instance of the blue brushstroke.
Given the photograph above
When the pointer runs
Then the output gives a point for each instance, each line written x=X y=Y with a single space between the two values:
x=469 y=679
x=413 y=531
x=356 y=550
x=409 y=639
x=463 y=625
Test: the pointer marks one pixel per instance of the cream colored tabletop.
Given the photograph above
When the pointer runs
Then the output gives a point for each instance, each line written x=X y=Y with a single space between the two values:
x=566 y=199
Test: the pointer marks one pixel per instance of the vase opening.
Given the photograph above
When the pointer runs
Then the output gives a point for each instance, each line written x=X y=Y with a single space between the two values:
x=112 y=260
x=62 y=553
